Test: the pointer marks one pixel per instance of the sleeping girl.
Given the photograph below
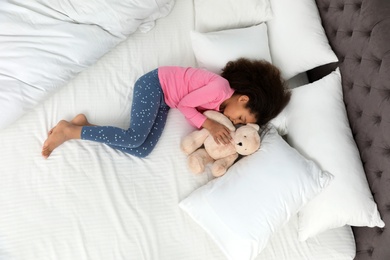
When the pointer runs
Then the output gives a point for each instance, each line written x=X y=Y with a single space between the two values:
x=247 y=91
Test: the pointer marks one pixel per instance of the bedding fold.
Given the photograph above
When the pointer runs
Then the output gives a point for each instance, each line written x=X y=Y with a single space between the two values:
x=45 y=43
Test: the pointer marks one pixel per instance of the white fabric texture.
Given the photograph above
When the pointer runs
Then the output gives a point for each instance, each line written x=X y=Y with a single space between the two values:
x=316 y=124
x=296 y=37
x=256 y=197
x=214 y=49
x=90 y=202
x=118 y=17
x=45 y=43
x=219 y=15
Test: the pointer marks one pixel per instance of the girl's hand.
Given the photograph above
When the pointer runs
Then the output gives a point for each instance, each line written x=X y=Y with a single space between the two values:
x=220 y=133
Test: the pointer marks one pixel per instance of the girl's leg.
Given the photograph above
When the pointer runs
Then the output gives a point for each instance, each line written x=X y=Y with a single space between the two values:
x=148 y=99
x=148 y=145
x=65 y=131
x=148 y=116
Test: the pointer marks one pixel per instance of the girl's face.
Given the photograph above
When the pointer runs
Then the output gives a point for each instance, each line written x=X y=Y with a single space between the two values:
x=237 y=112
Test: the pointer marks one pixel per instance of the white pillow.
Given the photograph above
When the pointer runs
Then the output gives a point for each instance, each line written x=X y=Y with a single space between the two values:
x=219 y=15
x=256 y=197
x=316 y=124
x=297 y=39
x=214 y=49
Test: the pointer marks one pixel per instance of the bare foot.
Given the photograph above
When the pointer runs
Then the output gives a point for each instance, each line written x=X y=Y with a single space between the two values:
x=80 y=120
x=61 y=133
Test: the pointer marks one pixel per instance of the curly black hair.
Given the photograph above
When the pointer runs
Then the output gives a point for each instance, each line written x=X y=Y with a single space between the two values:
x=262 y=83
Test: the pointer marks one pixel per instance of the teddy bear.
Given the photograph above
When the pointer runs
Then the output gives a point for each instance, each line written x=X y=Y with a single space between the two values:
x=245 y=141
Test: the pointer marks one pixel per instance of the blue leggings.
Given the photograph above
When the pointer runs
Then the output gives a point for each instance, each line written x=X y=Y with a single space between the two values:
x=148 y=116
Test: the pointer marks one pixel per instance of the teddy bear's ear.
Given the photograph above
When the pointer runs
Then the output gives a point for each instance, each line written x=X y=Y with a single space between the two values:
x=255 y=126
x=220 y=118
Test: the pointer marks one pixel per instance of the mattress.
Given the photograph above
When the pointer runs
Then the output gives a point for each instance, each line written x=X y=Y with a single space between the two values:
x=89 y=201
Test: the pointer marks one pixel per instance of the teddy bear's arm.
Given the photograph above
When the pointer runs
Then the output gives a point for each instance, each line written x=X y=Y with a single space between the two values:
x=194 y=140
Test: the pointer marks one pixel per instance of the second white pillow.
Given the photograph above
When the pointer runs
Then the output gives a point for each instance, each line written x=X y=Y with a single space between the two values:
x=297 y=39
x=214 y=49
x=316 y=124
x=216 y=15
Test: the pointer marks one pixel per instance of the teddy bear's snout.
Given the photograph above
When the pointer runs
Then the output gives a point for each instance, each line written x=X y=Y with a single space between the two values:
x=239 y=144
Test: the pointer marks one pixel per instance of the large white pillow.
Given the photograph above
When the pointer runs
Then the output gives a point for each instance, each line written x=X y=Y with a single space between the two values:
x=316 y=124
x=214 y=49
x=296 y=37
x=256 y=197
x=216 y=15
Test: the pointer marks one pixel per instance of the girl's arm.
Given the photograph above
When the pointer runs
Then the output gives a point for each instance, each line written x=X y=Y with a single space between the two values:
x=208 y=96
x=220 y=133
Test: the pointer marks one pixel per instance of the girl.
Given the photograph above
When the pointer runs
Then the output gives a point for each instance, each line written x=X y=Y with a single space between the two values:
x=248 y=91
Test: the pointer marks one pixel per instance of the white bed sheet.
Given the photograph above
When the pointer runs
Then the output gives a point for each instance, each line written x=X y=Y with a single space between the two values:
x=88 y=201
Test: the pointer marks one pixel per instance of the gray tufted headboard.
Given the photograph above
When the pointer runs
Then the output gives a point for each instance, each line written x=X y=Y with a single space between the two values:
x=359 y=33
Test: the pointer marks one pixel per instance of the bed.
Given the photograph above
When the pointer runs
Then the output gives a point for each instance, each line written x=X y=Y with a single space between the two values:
x=88 y=201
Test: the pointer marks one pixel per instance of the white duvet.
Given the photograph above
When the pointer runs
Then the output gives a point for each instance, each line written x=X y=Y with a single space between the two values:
x=45 y=43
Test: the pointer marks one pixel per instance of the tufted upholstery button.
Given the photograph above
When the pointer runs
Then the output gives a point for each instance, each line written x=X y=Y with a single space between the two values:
x=379 y=63
x=386 y=151
x=325 y=8
x=380 y=230
x=359 y=113
x=386 y=94
x=370 y=251
x=379 y=174
x=367 y=89
x=377 y=120
x=350 y=33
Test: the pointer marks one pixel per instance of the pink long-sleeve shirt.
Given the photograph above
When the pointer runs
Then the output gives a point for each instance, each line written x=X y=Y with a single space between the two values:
x=193 y=90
